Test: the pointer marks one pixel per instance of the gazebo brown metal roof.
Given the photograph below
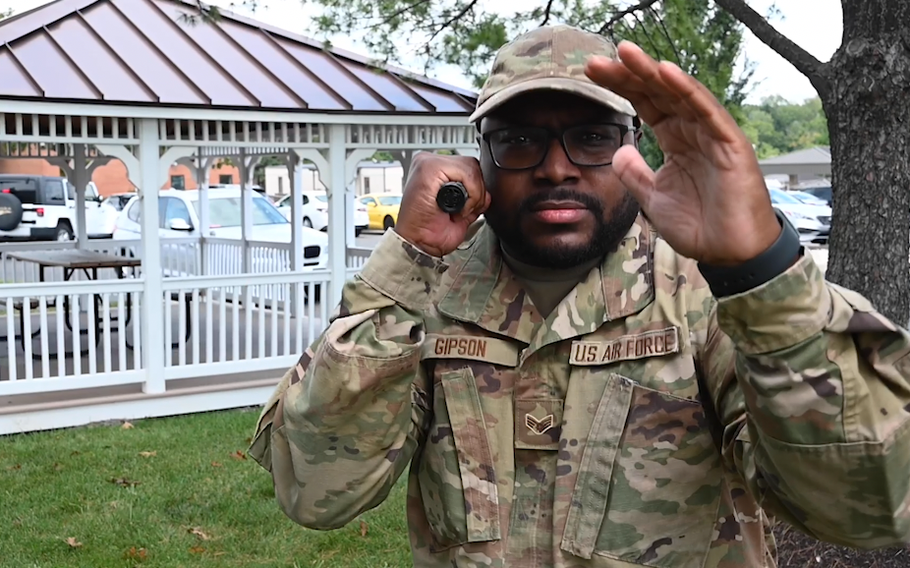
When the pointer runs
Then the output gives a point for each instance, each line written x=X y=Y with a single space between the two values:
x=144 y=52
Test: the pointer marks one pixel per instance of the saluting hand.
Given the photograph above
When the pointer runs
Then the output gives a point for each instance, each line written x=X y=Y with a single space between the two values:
x=709 y=199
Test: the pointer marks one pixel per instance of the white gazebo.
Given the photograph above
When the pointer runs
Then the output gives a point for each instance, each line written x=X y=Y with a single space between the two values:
x=140 y=330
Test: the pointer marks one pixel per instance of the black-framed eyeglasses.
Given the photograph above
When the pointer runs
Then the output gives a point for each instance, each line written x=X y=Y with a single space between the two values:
x=526 y=147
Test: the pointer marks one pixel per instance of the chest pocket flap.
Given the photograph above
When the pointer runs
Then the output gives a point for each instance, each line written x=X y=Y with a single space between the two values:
x=649 y=482
x=456 y=475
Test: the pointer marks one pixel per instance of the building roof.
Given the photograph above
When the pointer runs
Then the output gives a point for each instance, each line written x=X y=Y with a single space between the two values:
x=811 y=161
x=145 y=52
x=815 y=155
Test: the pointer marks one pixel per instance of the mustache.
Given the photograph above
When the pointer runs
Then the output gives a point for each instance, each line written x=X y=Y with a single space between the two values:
x=560 y=194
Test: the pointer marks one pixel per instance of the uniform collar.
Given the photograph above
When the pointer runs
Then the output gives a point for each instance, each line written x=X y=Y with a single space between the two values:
x=486 y=293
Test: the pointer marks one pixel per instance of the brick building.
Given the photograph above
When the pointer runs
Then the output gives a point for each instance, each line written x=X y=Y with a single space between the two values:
x=112 y=178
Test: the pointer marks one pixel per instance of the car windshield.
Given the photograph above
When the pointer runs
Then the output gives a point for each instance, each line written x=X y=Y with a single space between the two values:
x=809 y=198
x=91 y=193
x=321 y=197
x=225 y=212
x=778 y=196
x=389 y=200
x=822 y=193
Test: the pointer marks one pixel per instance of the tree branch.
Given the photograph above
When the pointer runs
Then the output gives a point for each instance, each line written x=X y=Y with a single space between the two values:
x=625 y=12
x=804 y=61
x=644 y=30
x=672 y=43
x=453 y=19
x=546 y=13
x=400 y=11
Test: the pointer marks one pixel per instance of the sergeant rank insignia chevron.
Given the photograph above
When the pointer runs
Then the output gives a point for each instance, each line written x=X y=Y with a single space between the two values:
x=539 y=426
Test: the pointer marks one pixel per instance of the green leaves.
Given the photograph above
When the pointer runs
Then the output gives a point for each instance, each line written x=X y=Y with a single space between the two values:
x=704 y=40
x=777 y=126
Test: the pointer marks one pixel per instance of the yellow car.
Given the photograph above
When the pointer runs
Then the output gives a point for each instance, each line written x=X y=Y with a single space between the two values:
x=382 y=208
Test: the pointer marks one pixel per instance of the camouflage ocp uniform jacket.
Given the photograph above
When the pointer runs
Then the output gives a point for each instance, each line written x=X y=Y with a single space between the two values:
x=581 y=440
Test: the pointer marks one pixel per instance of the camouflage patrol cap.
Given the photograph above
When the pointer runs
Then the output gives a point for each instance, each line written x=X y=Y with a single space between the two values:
x=548 y=58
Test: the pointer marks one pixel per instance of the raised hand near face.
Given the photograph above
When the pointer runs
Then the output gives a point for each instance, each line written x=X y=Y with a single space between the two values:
x=709 y=199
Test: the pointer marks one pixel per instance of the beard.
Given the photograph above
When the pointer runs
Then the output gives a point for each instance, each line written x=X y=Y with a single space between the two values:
x=608 y=231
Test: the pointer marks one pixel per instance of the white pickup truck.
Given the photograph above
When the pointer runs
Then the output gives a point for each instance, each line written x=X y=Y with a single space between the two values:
x=43 y=208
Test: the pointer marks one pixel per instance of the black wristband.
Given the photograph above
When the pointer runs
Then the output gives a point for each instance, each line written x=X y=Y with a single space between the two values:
x=730 y=280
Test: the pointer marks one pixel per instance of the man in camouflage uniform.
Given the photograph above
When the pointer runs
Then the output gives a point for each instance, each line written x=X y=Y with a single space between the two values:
x=616 y=367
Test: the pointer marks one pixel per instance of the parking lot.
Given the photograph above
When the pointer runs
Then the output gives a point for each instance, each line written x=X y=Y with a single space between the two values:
x=369 y=239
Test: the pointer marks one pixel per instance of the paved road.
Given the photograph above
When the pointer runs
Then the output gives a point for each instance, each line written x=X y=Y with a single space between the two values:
x=369 y=239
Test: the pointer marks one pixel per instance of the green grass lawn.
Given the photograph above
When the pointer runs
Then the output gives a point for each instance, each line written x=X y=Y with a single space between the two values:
x=171 y=492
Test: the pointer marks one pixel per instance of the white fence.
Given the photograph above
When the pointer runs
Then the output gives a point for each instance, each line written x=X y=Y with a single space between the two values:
x=84 y=334
x=47 y=324
x=245 y=323
x=179 y=257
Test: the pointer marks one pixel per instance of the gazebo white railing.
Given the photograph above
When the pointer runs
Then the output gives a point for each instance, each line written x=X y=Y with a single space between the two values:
x=208 y=323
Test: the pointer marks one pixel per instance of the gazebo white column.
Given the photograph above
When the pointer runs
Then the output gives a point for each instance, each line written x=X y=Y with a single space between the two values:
x=150 y=170
x=293 y=164
x=79 y=173
x=337 y=187
x=296 y=255
x=153 y=319
x=246 y=165
x=80 y=181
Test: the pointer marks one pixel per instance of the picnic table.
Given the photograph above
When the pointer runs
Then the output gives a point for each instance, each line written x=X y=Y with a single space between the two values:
x=72 y=261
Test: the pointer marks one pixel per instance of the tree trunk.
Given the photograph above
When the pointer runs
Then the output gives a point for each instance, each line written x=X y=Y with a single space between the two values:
x=865 y=100
x=864 y=90
x=869 y=123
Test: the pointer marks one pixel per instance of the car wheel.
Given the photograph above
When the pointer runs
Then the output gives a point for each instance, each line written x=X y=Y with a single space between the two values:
x=388 y=223
x=64 y=233
x=10 y=212
x=307 y=222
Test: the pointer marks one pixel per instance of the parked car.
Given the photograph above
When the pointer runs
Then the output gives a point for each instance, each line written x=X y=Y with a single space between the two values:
x=807 y=198
x=118 y=201
x=812 y=221
x=43 y=208
x=382 y=209
x=254 y=187
x=178 y=214
x=111 y=206
x=822 y=192
x=316 y=211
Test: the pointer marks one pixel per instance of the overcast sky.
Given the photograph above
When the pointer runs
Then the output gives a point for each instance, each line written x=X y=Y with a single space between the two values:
x=816 y=25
